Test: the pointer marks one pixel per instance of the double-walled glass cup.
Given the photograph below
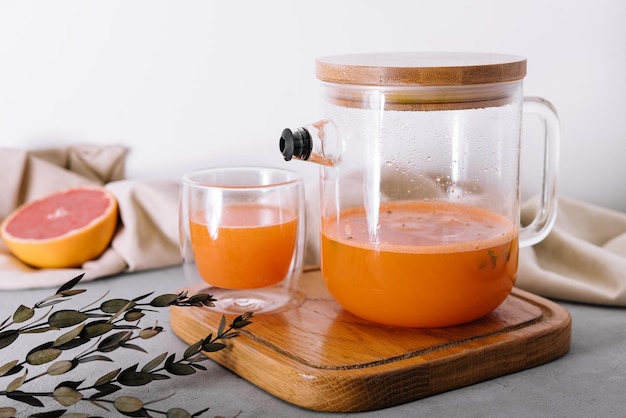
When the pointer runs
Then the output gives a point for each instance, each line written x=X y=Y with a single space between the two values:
x=242 y=232
x=419 y=159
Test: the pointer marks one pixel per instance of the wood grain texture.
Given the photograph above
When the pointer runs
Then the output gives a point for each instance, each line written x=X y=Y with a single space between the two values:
x=320 y=357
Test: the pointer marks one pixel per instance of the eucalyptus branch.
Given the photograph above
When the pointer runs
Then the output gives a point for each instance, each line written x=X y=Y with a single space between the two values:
x=111 y=325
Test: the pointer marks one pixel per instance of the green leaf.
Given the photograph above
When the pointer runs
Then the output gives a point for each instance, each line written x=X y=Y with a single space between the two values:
x=127 y=404
x=179 y=369
x=60 y=367
x=22 y=314
x=66 y=318
x=68 y=336
x=164 y=300
x=113 y=306
x=177 y=413
x=68 y=293
x=7 y=337
x=138 y=298
x=70 y=284
x=107 y=377
x=66 y=396
x=152 y=364
x=133 y=347
x=43 y=356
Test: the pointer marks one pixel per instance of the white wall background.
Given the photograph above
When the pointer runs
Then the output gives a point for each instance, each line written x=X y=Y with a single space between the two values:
x=189 y=84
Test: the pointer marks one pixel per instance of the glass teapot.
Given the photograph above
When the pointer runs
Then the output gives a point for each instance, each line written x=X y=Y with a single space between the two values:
x=419 y=158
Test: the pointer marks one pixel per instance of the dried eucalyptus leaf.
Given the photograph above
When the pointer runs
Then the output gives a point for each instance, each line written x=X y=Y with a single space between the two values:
x=133 y=347
x=222 y=326
x=68 y=336
x=132 y=378
x=212 y=347
x=60 y=367
x=71 y=283
x=17 y=382
x=198 y=366
x=73 y=384
x=133 y=315
x=97 y=328
x=150 y=332
x=138 y=298
x=66 y=318
x=112 y=342
x=45 y=303
x=51 y=414
x=7 y=337
x=152 y=364
x=22 y=314
x=164 y=300
x=107 y=377
x=192 y=349
x=127 y=404
x=177 y=413
x=76 y=342
x=105 y=390
x=43 y=356
x=72 y=292
x=95 y=357
x=66 y=396
x=24 y=397
x=7 y=412
x=179 y=369
x=98 y=404
x=5 y=368
x=39 y=330
x=113 y=306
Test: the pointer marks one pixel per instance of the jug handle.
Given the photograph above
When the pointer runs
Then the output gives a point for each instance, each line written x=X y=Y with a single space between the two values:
x=545 y=216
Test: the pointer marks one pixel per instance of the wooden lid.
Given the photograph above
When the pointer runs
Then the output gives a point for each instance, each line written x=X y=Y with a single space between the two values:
x=420 y=68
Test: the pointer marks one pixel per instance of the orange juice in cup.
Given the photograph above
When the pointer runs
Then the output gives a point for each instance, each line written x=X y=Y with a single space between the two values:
x=433 y=264
x=251 y=248
x=242 y=232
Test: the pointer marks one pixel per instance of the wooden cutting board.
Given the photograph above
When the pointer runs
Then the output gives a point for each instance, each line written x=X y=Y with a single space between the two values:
x=320 y=357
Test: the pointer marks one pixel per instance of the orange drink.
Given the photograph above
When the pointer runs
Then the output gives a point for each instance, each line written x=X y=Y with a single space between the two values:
x=242 y=231
x=251 y=247
x=432 y=264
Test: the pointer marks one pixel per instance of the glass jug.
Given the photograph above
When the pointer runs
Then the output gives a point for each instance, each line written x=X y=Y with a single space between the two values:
x=419 y=159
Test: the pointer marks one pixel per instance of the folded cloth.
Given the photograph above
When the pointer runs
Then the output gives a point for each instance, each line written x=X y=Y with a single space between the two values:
x=146 y=238
x=583 y=259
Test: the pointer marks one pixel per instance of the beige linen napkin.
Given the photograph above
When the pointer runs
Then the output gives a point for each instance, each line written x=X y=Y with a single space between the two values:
x=583 y=259
x=146 y=238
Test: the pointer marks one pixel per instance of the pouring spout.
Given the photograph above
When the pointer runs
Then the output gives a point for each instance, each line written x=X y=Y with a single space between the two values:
x=316 y=143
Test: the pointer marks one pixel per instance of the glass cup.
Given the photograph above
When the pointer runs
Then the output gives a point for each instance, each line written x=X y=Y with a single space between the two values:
x=242 y=231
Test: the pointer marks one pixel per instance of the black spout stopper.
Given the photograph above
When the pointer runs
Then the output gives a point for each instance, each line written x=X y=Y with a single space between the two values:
x=295 y=144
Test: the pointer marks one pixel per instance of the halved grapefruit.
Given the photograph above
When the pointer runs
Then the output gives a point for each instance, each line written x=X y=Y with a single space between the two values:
x=63 y=229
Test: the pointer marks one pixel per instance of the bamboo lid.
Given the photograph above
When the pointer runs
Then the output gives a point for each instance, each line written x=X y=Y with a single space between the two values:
x=421 y=68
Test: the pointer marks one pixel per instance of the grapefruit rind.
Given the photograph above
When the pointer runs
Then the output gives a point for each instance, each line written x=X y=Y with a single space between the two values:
x=71 y=249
